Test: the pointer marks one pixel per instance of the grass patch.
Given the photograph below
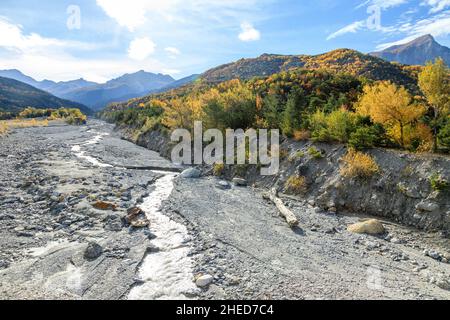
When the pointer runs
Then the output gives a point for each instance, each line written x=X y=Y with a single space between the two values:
x=3 y=129
x=23 y=123
x=358 y=165
x=315 y=153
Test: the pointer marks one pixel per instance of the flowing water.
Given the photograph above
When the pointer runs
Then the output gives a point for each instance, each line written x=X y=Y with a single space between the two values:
x=168 y=273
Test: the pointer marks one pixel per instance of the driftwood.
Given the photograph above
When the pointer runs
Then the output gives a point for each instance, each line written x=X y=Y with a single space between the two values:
x=284 y=211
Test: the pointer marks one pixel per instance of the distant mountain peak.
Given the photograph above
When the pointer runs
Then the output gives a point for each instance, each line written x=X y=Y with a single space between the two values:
x=416 y=52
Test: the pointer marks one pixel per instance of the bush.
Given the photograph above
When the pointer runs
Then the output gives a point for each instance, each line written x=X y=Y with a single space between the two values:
x=300 y=135
x=218 y=169
x=358 y=165
x=363 y=138
x=444 y=136
x=296 y=184
x=315 y=153
x=3 y=129
x=438 y=183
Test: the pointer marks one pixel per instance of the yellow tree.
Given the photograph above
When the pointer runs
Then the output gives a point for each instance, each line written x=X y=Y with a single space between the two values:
x=434 y=83
x=389 y=105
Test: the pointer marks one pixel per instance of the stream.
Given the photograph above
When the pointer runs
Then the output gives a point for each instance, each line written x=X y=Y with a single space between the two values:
x=168 y=273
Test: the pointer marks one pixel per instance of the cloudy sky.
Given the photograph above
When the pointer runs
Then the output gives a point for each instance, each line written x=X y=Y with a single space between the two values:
x=102 y=39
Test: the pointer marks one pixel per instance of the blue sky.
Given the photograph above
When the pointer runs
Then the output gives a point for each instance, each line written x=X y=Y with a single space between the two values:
x=102 y=39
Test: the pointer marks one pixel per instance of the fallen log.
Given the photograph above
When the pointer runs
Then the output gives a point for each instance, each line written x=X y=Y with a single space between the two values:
x=284 y=211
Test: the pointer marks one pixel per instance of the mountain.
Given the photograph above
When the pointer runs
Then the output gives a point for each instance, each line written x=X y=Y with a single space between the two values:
x=58 y=89
x=416 y=52
x=341 y=60
x=121 y=89
x=178 y=83
x=16 y=95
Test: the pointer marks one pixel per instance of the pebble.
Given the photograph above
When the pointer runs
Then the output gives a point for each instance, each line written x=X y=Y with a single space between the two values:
x=204 y=280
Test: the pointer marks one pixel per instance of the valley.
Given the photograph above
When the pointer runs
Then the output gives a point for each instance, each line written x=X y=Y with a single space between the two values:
x=77 y=225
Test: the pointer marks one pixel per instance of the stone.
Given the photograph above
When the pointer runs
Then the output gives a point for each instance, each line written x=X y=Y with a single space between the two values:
x=191 y=173
x=240 y=182
x=136 y=218
x=102 y=205
x=372 y=227
x=93 y=251
x=204 y=280
x=224 y=185
x=427 y=206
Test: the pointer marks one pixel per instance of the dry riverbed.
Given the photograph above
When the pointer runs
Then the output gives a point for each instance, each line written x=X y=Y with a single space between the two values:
x=65 y=197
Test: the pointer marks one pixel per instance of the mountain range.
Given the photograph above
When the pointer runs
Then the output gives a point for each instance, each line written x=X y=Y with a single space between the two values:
x=96 y=96
x=16 y=95
x=416 y=52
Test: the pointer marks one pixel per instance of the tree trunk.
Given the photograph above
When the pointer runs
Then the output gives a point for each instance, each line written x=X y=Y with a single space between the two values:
x=284 y=211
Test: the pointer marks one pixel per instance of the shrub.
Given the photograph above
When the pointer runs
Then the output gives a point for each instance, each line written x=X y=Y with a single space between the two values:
x=3 y=128
x=444 y=136
x=296 y=184
x=218 y=169
x=315 y=153
x=438 y=183
x=363 y=138
x=300 y=135
x=298 y=155
x=358 y=165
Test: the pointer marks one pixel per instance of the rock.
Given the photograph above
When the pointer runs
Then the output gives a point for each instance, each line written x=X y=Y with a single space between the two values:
x=427 y=206
x=113 y=223
x=223 y=185
x=372 y=227
x=191 y=173
x=93 y=251
x=204 y=280
x=240 y=182
x=432 y=254
x=102 y=205
x=137 y=218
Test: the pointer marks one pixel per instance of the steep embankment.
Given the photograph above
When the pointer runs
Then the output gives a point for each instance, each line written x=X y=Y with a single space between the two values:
x=401 y=191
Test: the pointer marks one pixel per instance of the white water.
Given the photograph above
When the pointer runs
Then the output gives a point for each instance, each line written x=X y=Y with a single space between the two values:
x=81 y=154
x=168 y=274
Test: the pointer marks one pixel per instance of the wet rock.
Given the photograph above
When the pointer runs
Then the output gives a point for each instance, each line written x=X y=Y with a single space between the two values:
x=240 y=182
x=191 y=173
x=93 y=251
x=204 y=280
x=372 y=227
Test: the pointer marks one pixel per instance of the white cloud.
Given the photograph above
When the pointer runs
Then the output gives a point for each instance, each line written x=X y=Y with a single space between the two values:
x=141 y=48
x=383 y=4
x=436 y=5
x=249 y=33
x=173 y=52
x=13 y=38
x=351 y=28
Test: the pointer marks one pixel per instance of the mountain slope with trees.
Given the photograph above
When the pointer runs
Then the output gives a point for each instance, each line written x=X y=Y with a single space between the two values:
x=16 y=95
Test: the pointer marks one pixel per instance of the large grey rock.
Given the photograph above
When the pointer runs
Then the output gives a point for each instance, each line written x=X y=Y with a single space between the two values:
x=240 y=182
x=204 y=280
x=427 y=206
x=191 y=173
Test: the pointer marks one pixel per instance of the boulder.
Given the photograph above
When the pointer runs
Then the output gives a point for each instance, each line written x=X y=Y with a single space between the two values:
x=191 y=173
x=223 y=185
x=372 y=227
x=136 y=218
x=102 y=205
x=240 y=182
x=427 y=206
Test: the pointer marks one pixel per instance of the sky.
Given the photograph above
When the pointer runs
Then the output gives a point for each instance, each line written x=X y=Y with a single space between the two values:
x=102 y=39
